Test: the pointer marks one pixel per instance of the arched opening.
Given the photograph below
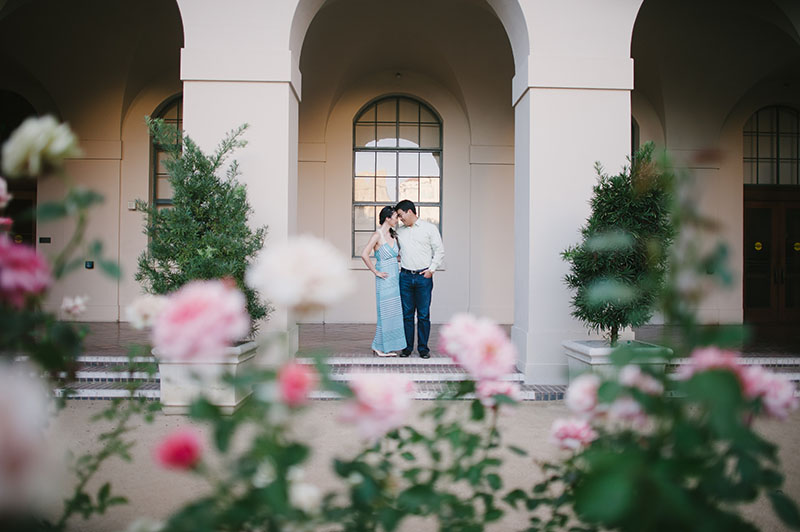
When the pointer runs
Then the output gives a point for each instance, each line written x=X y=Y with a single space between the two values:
x=771 y=160
x=358 y=53
x=703 y=110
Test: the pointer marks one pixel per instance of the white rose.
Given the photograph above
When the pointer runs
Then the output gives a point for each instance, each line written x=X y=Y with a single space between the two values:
x=304 y=274
x=74 y=306
x=305 y=497
x=5 y=197
x=144 y=310
x=39 y=144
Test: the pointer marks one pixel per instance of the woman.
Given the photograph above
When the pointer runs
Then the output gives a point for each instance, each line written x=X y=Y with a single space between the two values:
x=389 y=332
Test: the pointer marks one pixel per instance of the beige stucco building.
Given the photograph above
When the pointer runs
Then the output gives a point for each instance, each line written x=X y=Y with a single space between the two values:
x=524 y=95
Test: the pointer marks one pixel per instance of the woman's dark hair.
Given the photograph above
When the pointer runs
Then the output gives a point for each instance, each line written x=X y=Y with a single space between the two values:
x=387 y=212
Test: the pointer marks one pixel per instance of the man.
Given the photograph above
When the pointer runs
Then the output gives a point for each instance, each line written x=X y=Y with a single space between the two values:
x=421 y=253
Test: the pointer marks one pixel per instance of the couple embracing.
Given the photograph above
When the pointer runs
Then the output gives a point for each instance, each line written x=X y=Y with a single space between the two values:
x=403 y=291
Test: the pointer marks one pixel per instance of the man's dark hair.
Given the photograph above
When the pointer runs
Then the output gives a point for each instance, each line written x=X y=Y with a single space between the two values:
x=406 y=205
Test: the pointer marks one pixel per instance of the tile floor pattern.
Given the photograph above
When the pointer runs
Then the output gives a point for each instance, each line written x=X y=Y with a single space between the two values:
x=103 y=372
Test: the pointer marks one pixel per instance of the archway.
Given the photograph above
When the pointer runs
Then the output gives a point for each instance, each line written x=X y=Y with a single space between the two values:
x=462 y=67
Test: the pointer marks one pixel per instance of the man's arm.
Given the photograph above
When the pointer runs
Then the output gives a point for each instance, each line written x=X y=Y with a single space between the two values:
x=438 y=249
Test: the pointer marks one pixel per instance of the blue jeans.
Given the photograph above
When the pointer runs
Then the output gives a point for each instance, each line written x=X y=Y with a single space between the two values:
x=415 y=294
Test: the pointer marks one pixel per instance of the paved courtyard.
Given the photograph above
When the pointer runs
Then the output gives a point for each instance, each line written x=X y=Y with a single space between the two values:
x=343 y=339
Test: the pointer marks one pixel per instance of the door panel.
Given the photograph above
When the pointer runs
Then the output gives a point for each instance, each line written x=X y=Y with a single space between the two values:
x=790 y=271
x=759 y=289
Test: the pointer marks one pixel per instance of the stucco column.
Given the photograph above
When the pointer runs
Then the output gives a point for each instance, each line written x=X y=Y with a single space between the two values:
x=572 y=108
x=233 y=74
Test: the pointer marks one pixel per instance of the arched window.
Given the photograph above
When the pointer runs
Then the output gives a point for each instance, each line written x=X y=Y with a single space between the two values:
x=171 y=111
x=397 y=154
x=772 y=147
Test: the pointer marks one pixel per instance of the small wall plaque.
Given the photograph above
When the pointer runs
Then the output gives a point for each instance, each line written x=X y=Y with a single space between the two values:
x=44 y=239
x=759 y=246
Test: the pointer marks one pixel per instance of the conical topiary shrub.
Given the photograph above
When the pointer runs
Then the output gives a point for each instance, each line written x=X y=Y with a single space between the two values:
x=204 y=233
x=619 y=268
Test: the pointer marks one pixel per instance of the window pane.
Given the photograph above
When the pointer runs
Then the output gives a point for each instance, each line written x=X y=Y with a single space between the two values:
x=162 y=157
x=429 y=164
x=429 y=136
x=409 y=164
x=766 y=173
x=387 y=110
x=430 y=214
x=386 y=190
x=163 y=188
x=788 y=173
x=171 y=113
x=365 y=136
x=364 y=219
x=429 y=190
x=409 y=189
x=361 y=240
x=747 y=148
x=364 y=189
x=766 y=146
x=788 y=147
x=368 y=115
x=387 y=164
x=425 y=115
x=749 y=177
x=409 y=111
x=365 y=163
x=409 y=136
x=387 y=136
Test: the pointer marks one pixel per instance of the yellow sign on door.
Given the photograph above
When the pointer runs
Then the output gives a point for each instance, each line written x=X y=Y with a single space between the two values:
x=759 y=246
x=797 y=246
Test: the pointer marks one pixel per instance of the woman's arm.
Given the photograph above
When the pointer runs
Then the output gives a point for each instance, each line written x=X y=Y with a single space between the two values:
x=365 y=255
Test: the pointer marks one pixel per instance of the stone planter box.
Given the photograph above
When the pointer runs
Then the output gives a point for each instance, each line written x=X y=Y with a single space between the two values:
x=595 y=356
x=182 y=382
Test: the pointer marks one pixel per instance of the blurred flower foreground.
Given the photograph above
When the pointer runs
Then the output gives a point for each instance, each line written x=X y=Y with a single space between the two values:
x=644 y=451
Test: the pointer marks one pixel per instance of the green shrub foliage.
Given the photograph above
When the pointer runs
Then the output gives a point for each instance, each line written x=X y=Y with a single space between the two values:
x=204 y=234
x=619 y=268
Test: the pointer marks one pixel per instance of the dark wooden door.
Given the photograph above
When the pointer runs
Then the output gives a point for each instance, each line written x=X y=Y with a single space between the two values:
x=772 y=255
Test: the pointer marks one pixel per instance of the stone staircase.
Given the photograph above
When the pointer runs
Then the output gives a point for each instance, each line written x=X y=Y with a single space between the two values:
x=108 y=376
x=103 y=371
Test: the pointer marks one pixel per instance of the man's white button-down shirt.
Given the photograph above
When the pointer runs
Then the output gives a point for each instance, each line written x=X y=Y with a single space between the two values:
x=420 y=246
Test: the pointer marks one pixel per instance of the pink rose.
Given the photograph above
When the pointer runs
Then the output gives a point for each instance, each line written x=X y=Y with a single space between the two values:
x=777 y=393
x=581 y=396
x=380 y=404
x=23 y=272
x=200 y=320
x=295 y=382
x=479 y=346
x=572 y=434
x=6 y=223
x=486 y=390
x=180 y=450
x=633 y=377
x=5 y=197
x=628 y=410
x=709 y=358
